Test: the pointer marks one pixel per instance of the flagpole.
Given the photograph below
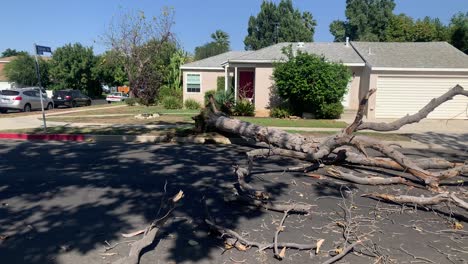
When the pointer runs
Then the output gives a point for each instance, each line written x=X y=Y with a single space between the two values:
x=40 y=87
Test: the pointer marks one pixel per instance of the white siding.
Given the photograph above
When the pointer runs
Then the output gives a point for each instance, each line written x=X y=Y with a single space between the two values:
x=5 y=85
x=401 y=95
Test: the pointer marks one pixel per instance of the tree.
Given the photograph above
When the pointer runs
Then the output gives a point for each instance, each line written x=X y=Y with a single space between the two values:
x=279 y=23
x=400 y=29
x=139 y=41
x=12 y=52
x=22 y=71
x=367 y=20
x=429 y=29
x=219 y=44
x=109 y=71
x=459 y=31
x=72 y=66
x=312 y=84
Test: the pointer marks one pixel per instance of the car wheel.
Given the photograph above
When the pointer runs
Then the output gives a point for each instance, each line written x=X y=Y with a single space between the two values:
x=3 y=111
x=73 y=104
x=50 y=106
x=27 y=108
x=88 y=103
x=108 y=102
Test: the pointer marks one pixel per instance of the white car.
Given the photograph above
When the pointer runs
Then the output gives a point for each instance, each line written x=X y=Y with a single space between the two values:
x=116 y=97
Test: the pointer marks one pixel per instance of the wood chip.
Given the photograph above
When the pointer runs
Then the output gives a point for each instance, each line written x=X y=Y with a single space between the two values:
x=319 y=244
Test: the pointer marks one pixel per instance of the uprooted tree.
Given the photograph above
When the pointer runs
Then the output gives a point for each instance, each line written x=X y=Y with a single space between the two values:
x=343 y=148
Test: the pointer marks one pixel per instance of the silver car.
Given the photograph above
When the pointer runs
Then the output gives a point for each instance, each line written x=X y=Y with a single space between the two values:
x=25 y=99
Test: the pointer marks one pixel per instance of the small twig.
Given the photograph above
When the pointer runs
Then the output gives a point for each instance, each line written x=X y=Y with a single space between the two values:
x=278 y=230
x=415 y=257
x=343 y=253
x=110 y=247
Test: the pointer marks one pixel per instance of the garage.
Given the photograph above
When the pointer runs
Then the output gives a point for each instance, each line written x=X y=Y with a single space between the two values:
x=400 y=95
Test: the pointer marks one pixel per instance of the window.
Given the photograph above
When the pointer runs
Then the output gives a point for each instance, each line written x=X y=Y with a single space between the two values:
x=193 y=83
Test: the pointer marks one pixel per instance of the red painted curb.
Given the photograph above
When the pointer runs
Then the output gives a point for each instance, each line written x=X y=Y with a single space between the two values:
x=58 y=137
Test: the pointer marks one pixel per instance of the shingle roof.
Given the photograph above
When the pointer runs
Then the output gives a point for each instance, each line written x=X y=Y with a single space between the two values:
x=333 y=51
x=214 y=61
x=411 y=54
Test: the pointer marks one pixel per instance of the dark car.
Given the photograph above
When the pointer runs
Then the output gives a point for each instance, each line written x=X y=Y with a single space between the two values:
x=70 y=98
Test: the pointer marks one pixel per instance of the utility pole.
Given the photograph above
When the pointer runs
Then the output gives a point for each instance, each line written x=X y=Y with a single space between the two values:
x=39 y=50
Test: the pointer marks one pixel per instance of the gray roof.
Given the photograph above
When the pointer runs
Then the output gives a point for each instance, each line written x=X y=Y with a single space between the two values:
x=332 y=51
x=214 y=61
x=411 y=54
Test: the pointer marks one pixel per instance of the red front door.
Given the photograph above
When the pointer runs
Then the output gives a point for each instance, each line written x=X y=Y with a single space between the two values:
x=246 y=84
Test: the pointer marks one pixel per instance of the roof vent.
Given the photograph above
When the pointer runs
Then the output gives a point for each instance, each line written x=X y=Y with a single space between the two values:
x=300 y=44
x=347 y=41
x=370 y=51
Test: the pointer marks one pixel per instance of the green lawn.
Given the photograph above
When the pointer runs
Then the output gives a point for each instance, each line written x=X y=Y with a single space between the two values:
x=277 y=122
x=135 y=110
x=104 y=131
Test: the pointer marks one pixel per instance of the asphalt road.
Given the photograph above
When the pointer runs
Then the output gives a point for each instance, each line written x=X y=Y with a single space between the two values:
x=60 y=202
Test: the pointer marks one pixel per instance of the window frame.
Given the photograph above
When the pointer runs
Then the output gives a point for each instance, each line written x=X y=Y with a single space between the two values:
x=186 y=82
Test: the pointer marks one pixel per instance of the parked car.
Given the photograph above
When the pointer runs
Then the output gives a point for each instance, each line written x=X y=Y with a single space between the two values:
x=116 y=97
x=24 y=99
x=70 y=98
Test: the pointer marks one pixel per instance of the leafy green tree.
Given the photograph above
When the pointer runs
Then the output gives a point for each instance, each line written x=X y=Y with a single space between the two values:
x=72 y=67
x=12 y=52
x=367 y=20
x=219 y=44
x=279 y=23
x=310 y=83
x=400 y=29
x=109 y=71
x=429 y=29
x=22 y=71
x=459 y=31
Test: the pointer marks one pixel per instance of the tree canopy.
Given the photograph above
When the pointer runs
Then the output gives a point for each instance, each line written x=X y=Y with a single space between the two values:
x=459 y=31
x=22 y=71
x=12 y=52
x=220 y=43
x=72 y=67
x=366 y=20
x=279 y=23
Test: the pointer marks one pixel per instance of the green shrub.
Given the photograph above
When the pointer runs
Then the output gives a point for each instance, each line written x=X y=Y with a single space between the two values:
x=280 y=112
x=166 y=91
x=130 y=101
x=207 y=95
x=192 y=104
x=171 y=102
x=330 y=111
x=311 y=84
x=244 y=108
x=220 y=83
x=225 y=100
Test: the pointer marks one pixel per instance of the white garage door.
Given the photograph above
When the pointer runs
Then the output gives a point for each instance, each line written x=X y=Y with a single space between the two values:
x=398 y=96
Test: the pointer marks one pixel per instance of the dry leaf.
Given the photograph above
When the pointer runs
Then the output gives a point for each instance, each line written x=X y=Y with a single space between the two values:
x=178 y=196
x=3 y=237
x=108 y=254
x=228 y=246
x=338 y=250
x=282 y=252
x=240 y=247
x=193 y=243
x=457 y=226
x=313 y=175
x=319 y=244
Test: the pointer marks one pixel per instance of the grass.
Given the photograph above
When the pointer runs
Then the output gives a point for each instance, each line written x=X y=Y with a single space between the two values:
x=376 y=135
x=12 y=113
x=134 y=110
x=277 y=122
x=162 y=120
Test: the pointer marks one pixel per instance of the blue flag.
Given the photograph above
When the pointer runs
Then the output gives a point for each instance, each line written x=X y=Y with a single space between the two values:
x=41 y=49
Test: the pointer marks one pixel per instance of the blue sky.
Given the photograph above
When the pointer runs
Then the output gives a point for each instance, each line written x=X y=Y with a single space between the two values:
x=58 y=22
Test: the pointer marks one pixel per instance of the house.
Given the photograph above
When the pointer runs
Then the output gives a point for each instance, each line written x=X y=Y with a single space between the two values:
x=406 y=75
x=4 y=83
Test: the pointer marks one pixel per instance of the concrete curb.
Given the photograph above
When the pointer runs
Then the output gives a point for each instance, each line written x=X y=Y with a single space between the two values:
x=116 y=138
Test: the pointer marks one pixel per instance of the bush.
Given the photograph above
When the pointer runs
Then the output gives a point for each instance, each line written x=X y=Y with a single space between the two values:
x=311 y=84
x=166 y=91
x=130 y=101
x=225 y=101
x=171 y=102
x=207 y=96
x=331 y=111
x=220 y=83
x=192 y=104
x=244 y=108
x=280 y=112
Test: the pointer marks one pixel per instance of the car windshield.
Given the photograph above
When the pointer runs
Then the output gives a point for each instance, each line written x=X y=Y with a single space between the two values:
x=9 y=92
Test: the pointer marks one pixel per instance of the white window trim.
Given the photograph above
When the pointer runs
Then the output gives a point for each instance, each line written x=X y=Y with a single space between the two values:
x=186 y=82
